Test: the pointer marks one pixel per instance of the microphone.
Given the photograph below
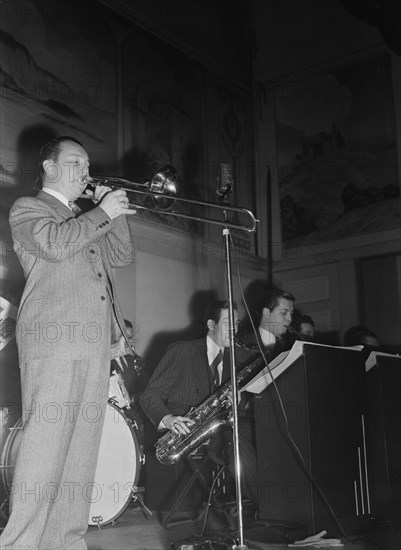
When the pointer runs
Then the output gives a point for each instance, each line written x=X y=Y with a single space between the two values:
x=225 y=182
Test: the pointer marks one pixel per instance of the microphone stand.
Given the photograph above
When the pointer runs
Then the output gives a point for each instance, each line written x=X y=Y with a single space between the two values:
x=231 y=332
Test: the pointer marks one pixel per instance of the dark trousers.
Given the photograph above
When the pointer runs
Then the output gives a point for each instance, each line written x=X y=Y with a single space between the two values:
x=222 y=450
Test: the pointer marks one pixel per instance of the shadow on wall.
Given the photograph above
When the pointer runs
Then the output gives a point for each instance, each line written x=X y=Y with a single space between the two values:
x=29 y=144
x=15 y=185
x=196 y=329
x=254 y=296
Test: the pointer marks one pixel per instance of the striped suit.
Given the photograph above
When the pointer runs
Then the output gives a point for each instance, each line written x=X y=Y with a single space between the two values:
x=67 y=320
x=182 y=380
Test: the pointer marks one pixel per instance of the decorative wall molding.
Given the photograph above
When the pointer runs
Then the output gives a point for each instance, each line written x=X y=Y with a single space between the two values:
x=313 y=289
x=332 y=252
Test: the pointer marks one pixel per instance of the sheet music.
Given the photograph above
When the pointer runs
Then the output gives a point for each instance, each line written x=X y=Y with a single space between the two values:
x=371 y=361
x=281 y=363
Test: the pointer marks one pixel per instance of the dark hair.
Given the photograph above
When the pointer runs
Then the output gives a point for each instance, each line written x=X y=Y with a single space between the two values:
x=50 y=151
x=213 y=310
x=128 y=323
x=272 y=297
x=305 y=319
x=354 y=336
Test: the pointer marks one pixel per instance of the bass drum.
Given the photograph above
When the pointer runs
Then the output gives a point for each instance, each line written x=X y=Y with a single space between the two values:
x=117 y=471
x=118 y=467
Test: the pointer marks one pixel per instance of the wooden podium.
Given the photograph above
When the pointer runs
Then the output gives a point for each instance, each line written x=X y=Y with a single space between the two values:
x=383 y=374
x=323 y=393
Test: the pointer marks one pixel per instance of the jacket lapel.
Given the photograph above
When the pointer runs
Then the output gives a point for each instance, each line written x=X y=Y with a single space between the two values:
x=61 y=208
x=202 y=366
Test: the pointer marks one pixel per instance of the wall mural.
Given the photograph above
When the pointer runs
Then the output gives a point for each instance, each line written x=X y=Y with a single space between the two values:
x=58 y=75
x=135 y=103
x=175 y=113
x=337 y=164
x=57 y=78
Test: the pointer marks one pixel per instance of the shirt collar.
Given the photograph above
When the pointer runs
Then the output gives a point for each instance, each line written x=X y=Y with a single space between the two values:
x=266 y=337
x=212 y=348
x=56 y=195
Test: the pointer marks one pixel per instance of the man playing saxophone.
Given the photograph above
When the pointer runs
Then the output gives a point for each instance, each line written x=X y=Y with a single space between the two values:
x=188 y=373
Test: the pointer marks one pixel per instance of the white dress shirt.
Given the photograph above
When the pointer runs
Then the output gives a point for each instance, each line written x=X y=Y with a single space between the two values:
x=212 y=351
x=267 y=337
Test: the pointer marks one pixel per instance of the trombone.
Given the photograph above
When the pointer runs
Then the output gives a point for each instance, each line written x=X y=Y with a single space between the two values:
x=162 y=188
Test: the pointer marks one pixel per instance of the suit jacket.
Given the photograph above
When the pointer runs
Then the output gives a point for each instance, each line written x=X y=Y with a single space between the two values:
x=68 y=307
x=182 y=380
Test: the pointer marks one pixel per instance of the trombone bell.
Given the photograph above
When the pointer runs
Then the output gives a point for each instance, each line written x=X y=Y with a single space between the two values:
x=164 y=182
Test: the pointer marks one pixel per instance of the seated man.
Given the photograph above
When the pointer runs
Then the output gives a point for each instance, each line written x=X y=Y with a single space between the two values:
x=188 y=373
x=306 y=328
x=275 y=317
x=361 y=336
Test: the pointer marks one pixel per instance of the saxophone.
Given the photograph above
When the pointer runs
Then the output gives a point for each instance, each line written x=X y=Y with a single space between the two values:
x=208 y=417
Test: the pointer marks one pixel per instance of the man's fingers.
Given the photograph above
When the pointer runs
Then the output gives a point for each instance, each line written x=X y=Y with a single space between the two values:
x=100 y=191
x=180 y=424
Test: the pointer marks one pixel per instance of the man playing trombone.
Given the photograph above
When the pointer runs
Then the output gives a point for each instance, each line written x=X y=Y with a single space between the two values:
x=68 y=319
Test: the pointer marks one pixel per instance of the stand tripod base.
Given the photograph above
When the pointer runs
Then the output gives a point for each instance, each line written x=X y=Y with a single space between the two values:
x=274 y=531
x=213 y=542
x=256 y=533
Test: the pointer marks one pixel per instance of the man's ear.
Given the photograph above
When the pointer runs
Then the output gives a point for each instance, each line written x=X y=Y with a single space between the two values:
x=211 y=325
x=49 y=167
x=266 y=312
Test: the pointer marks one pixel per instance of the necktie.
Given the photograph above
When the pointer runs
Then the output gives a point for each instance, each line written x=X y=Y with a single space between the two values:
x=213 y=368
x=74 y=208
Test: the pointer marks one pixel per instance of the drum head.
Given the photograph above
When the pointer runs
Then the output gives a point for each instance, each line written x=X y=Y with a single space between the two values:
x=117 y=470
